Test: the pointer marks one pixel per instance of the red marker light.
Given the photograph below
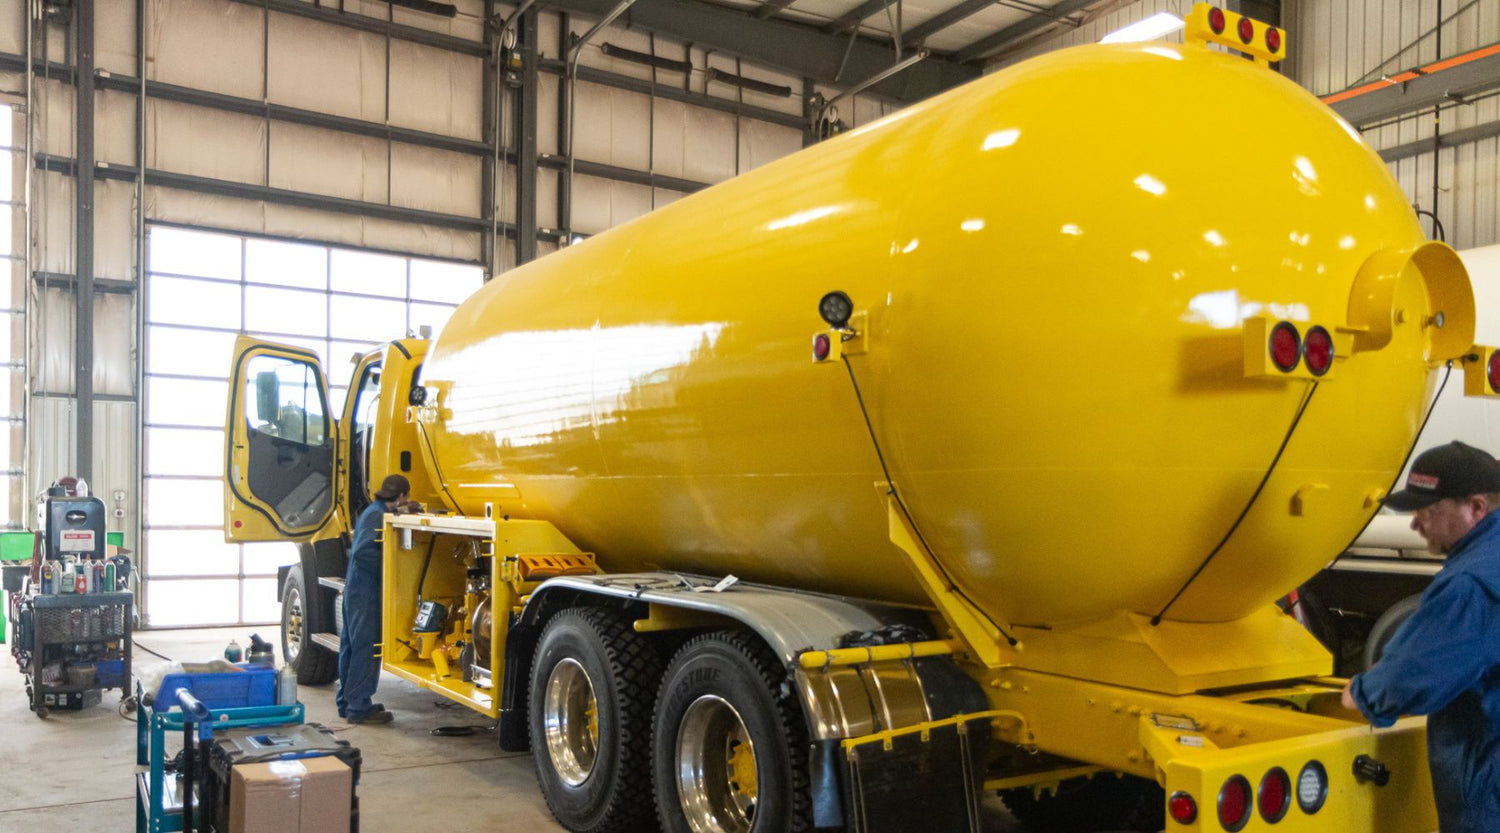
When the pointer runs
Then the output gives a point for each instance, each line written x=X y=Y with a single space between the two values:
x=1247 y=30
x=1317 y=349
x=238 y=524
x=1494 y=371
x=1286 y=346
x=1182 y=808
x=1275 y=795
x=822 y=346
x=1273 y=40
x=1234 y=804
x=1216 y=21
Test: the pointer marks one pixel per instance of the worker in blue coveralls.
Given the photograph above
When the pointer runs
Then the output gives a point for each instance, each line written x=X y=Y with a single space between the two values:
x=359 y=667
x=1444 y=661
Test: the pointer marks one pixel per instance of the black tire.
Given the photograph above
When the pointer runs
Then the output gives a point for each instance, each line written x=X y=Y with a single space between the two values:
x=1385 y=627
x=314 y=664
x=596 y=778
x=1089 y=805
x=735 y=670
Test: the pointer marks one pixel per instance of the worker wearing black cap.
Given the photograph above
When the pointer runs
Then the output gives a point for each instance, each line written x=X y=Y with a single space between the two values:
x=359 y=667
x=1444 y=661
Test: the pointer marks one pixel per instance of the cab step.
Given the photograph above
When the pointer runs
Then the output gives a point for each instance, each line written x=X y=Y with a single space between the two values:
x=327 y=640
x=330 y=581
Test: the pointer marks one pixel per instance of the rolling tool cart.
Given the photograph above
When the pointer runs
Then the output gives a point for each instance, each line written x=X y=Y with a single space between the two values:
x=248 y=760
x=74 y=647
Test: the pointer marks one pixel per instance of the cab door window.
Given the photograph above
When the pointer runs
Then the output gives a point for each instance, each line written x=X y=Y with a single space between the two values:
x=288 y=437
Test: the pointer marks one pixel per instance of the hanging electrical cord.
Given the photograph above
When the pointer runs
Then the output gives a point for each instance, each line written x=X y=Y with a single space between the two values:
x=1287 y=438
x=901 y=504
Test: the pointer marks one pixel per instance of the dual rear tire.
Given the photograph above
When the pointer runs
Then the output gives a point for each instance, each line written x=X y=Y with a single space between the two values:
x=624 y=740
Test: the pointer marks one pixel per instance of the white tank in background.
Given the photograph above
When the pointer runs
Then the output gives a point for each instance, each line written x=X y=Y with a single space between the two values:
x=1355 y=604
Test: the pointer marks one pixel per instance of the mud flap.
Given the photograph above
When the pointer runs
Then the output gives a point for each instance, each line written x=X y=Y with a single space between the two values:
x=927 y=779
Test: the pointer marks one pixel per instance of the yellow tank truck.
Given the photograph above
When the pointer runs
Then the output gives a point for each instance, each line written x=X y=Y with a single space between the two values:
x=1116 y=347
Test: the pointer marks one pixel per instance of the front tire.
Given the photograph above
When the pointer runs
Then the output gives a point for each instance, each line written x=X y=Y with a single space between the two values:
x=592 y=685
x=314 y=664
x=729 y=752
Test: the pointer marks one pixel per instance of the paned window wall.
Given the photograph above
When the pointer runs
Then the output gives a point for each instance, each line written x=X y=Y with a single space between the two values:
x=202 y=290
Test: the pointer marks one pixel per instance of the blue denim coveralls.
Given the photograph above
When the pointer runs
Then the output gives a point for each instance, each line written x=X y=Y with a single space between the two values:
x=359 y=667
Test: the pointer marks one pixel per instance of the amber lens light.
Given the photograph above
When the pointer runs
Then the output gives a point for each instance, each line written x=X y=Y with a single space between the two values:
x=1286 y=346
x=1247 y=30
x=1312 y=787
x=1317 y=350
x=1273 y=40
x=1275 y=795
x=822 y=346
x=1216 y=21
x=1234 y=804
x=1494 y=371
x=1182 y=808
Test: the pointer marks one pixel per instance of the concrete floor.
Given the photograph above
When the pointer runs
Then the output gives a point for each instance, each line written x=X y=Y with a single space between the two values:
x=75 y=771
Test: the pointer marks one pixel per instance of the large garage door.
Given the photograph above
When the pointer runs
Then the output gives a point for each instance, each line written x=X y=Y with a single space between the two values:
x=202 y=289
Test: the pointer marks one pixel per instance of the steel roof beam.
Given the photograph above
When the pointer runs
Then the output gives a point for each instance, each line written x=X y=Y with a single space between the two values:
x=989 y=44
x=1444 y=82
x=851 y=20
x=791 y=47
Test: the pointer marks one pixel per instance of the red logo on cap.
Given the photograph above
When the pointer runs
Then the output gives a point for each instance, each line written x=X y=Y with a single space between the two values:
x=1422 y=481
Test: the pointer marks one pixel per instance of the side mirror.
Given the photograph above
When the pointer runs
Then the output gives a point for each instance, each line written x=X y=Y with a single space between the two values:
x=267 y=392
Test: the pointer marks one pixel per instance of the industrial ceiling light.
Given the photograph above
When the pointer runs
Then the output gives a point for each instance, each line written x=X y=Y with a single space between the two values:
x=1151 y=28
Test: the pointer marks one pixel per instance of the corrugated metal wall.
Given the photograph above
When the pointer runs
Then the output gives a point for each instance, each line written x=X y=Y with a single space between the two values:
x=1343 y=43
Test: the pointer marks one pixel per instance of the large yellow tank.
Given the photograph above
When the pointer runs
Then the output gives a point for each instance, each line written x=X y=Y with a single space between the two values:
x=1056 y=263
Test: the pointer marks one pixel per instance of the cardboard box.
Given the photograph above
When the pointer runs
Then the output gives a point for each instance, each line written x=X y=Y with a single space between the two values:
x=307 y=795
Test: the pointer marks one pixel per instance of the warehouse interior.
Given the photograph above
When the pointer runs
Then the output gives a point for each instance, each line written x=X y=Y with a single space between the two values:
x=333 y=175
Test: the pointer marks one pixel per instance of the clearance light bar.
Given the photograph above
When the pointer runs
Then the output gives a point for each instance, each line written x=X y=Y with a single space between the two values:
x=1281 y=349
x=1211 y=24
x=1482 y=371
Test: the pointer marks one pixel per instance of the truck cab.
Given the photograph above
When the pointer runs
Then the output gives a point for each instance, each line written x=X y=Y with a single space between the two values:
x=295 y=470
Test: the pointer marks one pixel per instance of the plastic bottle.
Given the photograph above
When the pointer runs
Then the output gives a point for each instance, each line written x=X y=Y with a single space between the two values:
x=81 y=577
x=65 y=579
x=234 y=652
x=286 y=686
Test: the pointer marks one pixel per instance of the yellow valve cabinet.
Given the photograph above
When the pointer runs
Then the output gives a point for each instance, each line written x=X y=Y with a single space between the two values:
x=1118 y=346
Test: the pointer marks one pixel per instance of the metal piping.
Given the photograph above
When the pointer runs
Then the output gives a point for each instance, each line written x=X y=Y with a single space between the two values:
x=573 y=55
x=915 y=58
x=139 y=522
x=497 y=199
x=26 y=264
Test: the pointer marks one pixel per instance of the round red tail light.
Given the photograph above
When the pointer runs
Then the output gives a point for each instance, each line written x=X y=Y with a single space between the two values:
x=1234 y=804
x=1286 y=346
x=822 y=346
x=1247 y=30
x=1317 y=350
x=1275 y=795
x=1216 y=21
x=1494 y=370
x=1182 y=808
x=1273 y=39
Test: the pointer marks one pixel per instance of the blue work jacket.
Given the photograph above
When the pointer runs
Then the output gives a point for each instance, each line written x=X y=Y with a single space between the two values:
x=365 y=554
x=1444 y=662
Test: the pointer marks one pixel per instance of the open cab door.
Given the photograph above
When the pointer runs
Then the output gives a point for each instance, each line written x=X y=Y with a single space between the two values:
x=278 y=444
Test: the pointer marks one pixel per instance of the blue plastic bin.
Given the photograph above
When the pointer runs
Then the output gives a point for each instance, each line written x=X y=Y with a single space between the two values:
x=255 y=686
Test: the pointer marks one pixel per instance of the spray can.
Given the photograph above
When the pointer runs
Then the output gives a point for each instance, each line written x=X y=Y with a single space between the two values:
x=81 y=578
x=100 y=586
x=234 y=653
x=65 y=579
x=49 y=579
x=111 y=584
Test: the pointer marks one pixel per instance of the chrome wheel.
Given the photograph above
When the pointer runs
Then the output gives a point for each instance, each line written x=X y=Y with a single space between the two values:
x=291 y=625
x=570 y=719
x=716 y=775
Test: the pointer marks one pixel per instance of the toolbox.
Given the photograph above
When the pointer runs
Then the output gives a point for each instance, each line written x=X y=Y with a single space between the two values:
x=263 y=744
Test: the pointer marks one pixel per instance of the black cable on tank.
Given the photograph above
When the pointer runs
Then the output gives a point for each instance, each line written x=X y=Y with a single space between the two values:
x=1291 y=429
x=1404 y=460
x=901 y=504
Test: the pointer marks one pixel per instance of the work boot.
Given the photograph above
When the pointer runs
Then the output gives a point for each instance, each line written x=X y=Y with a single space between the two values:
x=372 y=717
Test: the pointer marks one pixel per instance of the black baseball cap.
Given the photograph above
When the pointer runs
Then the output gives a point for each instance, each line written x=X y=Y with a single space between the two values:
x=1452 y=470
x=392 y=487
